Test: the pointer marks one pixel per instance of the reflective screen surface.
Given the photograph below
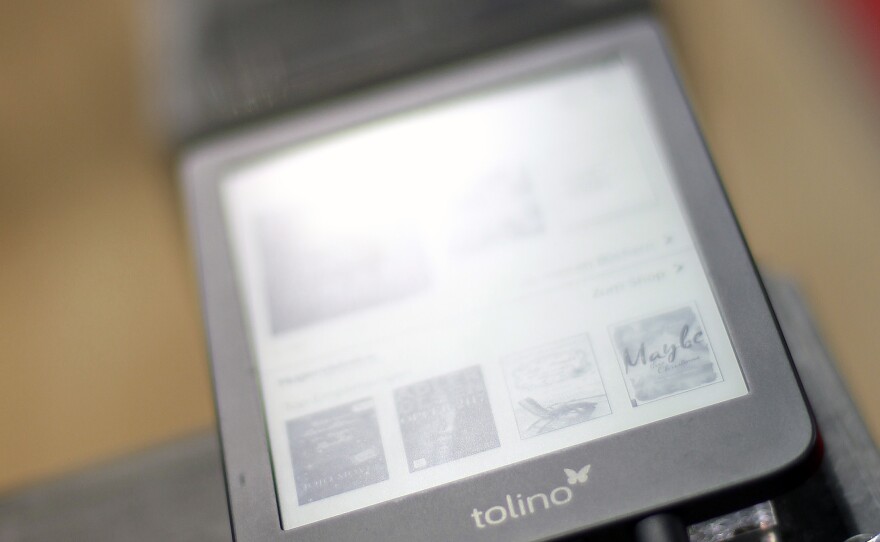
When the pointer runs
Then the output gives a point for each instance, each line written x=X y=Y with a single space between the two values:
x=460 y=287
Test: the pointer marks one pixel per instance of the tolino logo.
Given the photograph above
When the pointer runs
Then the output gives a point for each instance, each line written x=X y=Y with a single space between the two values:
x=577 y=477
x=519 y=506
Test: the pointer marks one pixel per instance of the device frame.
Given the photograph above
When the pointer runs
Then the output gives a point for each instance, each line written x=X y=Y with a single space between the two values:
x=738 y=451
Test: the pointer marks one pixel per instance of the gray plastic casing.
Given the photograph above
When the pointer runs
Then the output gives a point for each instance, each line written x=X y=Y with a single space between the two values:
x=698 y=463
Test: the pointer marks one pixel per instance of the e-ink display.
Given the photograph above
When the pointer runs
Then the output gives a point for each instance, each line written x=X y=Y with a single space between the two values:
x=453 y=289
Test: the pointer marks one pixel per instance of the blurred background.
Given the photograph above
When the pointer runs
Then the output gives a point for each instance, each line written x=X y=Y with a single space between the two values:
x=101 y=348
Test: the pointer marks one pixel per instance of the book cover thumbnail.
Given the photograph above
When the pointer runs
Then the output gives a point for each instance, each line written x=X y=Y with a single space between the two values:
x=665 y=354
x=554 y=386
x=336 y=450
x=445 y=418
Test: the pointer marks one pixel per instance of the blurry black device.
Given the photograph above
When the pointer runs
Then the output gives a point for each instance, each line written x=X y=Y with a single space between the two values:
x=483 y=285
x=231 y=62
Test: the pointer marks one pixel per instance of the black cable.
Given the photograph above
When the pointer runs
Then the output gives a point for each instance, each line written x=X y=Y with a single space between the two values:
x=661 y=528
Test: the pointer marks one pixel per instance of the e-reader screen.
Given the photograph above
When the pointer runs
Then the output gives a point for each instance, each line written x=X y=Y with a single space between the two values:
x=470 y=284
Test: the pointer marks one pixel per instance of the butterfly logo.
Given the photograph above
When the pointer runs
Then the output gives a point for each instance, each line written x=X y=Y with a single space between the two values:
x=577 y=477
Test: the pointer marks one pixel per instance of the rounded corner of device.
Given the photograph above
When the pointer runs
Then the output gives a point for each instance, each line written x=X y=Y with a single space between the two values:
x=806 y=452
x=799 y=457
x=791 y=466
x=804 y=449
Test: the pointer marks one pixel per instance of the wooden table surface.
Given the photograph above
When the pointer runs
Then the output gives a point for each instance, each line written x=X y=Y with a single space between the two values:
x=101 y=351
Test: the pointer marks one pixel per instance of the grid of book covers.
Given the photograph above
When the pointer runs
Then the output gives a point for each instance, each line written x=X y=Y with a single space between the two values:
x=449 y=416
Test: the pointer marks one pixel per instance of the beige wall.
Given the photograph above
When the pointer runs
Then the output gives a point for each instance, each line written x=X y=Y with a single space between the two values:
x=100 y=343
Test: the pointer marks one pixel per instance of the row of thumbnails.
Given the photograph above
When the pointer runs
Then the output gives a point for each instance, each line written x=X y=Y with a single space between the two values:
x=449 y=417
